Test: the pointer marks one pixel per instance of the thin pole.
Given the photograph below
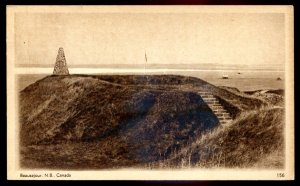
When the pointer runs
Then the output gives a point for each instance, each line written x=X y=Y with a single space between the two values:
x=145 y=62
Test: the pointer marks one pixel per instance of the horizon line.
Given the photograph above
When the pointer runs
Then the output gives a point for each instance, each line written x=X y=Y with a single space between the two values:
x=240 y=67
x=124 y=70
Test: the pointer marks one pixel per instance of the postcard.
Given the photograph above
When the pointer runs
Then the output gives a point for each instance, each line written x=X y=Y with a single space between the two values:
x=150 y=93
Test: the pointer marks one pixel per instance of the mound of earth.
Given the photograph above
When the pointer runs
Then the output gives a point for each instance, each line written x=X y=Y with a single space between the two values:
x=93 y=121
x=138 y=123
x=273 y=97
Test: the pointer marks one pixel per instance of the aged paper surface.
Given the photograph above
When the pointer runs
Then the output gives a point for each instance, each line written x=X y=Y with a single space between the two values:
x=150 y=92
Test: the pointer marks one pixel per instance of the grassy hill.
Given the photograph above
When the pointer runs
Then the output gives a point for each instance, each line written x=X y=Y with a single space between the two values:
x=254 y=139
x=90 y=121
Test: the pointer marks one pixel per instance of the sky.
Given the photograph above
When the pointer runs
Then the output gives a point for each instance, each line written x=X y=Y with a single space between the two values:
x=250 y=39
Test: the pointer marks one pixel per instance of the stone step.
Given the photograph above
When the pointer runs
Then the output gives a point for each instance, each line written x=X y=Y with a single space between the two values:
x=222 y=112
x=219 y=110
x=208 y=99
x=216 y=106
x=205 y=93
x=224 y=123
x=211 y=102
x=216 y=109
x=207 y=96
x=224 y=119
x=224 y=115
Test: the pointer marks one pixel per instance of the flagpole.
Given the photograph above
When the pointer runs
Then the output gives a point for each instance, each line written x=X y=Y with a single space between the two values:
x=145 y=64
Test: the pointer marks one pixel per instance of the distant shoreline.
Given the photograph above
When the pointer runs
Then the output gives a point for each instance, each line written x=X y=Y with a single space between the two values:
x=44 y=70
x=175 y=66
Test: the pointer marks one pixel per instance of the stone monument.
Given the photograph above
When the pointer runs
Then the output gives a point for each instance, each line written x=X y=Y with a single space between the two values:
x=60 y=67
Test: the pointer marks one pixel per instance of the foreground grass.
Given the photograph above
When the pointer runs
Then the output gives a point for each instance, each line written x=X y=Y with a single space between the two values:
x=254 y=139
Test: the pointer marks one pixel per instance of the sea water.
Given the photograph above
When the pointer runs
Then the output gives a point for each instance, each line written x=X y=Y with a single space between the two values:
x=245 y=80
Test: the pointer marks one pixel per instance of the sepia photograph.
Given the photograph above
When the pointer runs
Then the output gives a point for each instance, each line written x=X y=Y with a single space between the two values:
x=150 y=92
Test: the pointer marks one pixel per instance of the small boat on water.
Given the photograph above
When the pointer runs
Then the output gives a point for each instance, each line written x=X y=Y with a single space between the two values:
x=225 y=77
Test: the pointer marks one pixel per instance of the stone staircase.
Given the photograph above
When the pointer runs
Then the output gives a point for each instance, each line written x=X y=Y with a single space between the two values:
x=222 y=114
